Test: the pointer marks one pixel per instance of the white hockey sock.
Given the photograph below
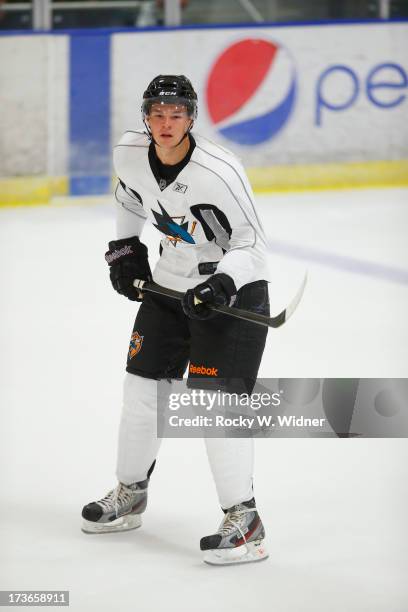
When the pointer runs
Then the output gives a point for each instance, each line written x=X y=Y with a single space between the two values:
x=138 y=444
x=232 y=466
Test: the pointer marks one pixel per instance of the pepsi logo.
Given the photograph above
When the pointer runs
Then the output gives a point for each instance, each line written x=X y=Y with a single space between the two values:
x=251 y=91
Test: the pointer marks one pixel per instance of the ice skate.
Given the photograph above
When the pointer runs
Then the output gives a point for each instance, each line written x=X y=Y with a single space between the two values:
x=119 y=510
x=239 y=538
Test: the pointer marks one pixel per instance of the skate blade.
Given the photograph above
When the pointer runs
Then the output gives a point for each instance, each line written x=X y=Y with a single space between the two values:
x=123 y=523
x=247 y=553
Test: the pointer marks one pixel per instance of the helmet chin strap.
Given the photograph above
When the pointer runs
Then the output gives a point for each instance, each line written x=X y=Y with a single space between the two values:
x=174 y=146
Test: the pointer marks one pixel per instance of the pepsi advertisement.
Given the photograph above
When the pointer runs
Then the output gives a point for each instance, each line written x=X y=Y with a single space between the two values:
x=287 y=95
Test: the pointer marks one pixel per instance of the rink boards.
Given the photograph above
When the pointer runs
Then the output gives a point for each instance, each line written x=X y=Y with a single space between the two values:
x=320 y=106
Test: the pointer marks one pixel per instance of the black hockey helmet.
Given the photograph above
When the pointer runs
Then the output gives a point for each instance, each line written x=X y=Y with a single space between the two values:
x=170 y=89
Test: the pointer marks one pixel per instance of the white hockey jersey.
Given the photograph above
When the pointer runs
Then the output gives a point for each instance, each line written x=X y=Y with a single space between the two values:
x=206 y=216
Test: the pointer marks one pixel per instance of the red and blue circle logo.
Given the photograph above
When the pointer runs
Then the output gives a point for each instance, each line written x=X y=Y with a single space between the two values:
x=251 y=91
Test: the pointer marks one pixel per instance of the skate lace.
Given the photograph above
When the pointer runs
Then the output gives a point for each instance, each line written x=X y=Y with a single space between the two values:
x=232 y=521
x=119 y=496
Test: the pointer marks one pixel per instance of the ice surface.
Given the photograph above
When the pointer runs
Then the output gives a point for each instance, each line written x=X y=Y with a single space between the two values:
x=334 y=510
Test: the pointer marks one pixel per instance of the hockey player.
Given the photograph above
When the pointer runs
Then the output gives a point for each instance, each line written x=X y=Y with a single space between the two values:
x=213 y=248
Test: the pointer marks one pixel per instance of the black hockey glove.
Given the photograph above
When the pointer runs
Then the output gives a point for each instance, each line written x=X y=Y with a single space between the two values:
x=219 y=290
x=127 y=260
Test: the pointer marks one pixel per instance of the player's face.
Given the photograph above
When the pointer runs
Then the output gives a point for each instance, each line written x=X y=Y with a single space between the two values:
x=168 y=123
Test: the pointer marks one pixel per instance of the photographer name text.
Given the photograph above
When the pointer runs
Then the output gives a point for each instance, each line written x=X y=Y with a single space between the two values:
x=246 y=422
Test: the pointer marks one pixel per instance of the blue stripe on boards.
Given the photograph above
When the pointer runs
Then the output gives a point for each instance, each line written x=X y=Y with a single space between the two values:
x=89 y=114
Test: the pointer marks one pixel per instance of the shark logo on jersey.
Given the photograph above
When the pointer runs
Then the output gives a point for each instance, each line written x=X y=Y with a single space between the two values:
x=179 y=187
x=174 y=232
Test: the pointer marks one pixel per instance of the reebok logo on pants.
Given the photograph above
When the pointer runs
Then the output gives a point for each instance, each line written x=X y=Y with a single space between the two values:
x=203 y=370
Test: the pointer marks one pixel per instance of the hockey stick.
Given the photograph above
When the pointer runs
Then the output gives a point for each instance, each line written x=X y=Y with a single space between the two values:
x=247 y=315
